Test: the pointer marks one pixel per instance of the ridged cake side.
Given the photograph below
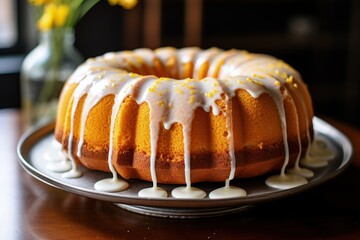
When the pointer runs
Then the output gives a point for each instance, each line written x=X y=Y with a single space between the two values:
x=227 y=120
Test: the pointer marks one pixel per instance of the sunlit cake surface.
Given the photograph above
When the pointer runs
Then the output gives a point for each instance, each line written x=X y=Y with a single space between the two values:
x=185 y=115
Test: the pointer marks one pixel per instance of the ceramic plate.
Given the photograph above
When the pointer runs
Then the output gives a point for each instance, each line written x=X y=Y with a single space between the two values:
x=34 y=147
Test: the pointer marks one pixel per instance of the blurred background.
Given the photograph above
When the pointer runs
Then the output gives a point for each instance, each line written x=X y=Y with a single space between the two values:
x=319 y=38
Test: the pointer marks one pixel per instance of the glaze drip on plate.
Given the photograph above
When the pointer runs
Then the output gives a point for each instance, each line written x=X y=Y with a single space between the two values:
x=176 y=85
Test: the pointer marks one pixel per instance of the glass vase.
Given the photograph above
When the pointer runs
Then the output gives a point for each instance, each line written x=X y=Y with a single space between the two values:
x=44 y=72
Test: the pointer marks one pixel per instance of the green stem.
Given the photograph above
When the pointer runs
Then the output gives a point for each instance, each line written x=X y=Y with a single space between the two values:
x=77 y=12
x=56 y=45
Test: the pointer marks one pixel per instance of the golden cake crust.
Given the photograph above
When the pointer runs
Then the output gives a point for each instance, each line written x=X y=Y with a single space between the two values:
x=257 y=132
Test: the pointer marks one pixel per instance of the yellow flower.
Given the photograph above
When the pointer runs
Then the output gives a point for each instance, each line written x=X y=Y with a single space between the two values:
x=59 y=13
x=39 y=2
x=47 y=19
x=54 y=15
x=62 y=12
x=127 y=4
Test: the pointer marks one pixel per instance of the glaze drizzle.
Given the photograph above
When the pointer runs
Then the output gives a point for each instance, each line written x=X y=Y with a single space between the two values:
x=216 y=75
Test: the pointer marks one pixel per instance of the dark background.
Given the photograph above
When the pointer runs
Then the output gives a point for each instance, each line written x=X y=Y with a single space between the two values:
x=321 y=39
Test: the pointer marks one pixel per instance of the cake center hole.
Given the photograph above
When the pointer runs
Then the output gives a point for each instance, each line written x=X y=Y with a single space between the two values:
x=175 y=70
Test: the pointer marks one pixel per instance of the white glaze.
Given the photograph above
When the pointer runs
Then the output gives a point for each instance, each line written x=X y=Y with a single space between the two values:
x=111 y=185
x=59 y=167
x=188 y=192
x=304 y=172
x=279 y=181
x=318 y=154
x=227 y=192
x=285 y=181
x=54 y=153
x=175 y=101
x=153 y=192
x=53 y=156
x=73 y=173
x=59 y=163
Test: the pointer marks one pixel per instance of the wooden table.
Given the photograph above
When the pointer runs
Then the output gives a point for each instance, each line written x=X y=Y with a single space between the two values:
x=29 y=209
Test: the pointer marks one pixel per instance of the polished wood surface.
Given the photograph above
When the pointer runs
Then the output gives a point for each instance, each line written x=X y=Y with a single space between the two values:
x=30 y=209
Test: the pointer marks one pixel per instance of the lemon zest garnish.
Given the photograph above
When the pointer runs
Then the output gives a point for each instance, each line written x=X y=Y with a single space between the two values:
x=284 y=75
x=258 y=76
x=254 y=81
x=290 y=79
x=133 y=75
x=160 y=103
x=211 y=93
x=153 y=88
x=240 y=81
x=178 y=90
x=192 y=99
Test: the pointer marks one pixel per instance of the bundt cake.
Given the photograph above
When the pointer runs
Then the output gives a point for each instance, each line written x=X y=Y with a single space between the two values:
x=185 y=115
